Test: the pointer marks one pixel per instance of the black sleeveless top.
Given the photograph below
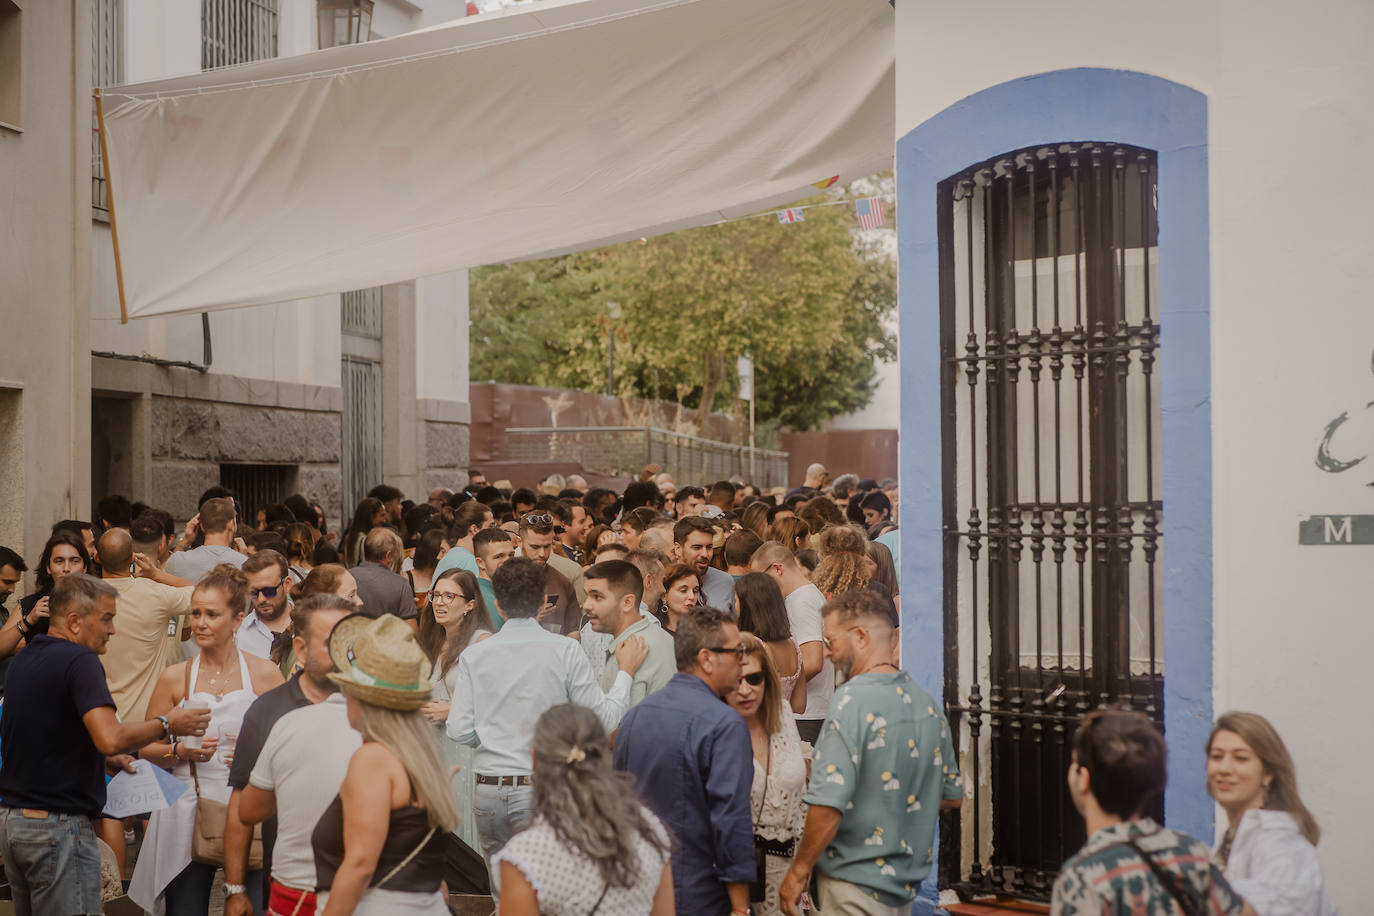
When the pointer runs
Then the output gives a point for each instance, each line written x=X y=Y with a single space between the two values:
x=404 y=832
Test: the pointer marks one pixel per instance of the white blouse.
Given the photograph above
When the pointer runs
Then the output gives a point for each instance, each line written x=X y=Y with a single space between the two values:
x=1275 y=868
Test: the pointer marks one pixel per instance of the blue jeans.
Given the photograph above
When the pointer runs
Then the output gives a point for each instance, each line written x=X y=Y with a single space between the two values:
x=501 y=812
x=53 y=863
x=188 y=894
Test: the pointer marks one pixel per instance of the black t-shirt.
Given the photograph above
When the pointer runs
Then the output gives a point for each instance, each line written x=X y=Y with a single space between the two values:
x=257 y=725
x=48 y=758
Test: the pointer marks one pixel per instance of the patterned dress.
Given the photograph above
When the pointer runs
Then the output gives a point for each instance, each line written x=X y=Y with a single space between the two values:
x=1107 y=877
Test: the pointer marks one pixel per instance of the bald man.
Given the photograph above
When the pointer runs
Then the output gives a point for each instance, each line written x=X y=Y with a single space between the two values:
x=147 y=611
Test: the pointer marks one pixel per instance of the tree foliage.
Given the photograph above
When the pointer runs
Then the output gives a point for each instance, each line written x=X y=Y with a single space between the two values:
x=808 y=301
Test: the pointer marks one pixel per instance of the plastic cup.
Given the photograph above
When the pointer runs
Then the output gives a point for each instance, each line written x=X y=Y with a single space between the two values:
x=194 y=742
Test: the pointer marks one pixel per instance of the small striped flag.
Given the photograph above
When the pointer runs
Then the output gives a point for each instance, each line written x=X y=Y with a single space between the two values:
x=791 y=216
x=870 y=212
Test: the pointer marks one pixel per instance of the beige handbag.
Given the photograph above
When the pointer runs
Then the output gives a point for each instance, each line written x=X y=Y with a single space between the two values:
x=207 y=840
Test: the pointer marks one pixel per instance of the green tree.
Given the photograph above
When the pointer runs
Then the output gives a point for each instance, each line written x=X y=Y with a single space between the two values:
x=808 y=301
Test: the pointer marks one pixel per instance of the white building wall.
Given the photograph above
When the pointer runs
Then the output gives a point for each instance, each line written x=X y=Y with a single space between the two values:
x=1292 y=330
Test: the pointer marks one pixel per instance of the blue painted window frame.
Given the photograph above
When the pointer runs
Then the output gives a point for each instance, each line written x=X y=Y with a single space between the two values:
x=1064 y=105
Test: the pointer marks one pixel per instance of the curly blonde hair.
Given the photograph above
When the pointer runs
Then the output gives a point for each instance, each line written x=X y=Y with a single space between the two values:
x=844 y=564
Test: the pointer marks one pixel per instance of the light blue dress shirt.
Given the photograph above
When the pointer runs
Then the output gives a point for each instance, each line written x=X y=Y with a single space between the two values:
x=505 y=684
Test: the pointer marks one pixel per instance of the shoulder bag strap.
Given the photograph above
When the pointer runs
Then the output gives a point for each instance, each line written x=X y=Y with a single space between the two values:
x=1167 y=880
x=596 y=906
x=406 y=861
x=194 y=778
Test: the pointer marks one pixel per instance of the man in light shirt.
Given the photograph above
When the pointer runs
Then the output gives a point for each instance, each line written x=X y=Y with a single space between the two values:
x=694 y=540
x=508 y=681
x=615 y=589
x=219 y=520
x=804 y=602
x=269 y=589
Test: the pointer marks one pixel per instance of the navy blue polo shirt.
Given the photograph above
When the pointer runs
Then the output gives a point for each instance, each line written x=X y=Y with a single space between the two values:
x=50 y=761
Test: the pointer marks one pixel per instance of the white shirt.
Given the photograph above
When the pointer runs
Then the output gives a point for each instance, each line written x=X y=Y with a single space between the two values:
x=808 y=625
x=254 y=636
x=304 y=762
x=505 y=684
x=1275 y=868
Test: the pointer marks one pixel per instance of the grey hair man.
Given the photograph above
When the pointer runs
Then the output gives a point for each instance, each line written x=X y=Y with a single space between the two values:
x=383 y=590
x=60 y=735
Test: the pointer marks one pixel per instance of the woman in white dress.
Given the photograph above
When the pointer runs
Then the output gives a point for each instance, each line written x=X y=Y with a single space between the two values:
x=1269 y=851
x=780 y=771
x=451 y=620
x=591 y=847
x=226 y=681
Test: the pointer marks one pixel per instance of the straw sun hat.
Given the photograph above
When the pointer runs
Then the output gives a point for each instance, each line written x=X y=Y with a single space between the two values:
x=379 y=661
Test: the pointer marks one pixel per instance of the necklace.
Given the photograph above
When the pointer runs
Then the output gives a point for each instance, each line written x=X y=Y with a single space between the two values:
x=215 y=677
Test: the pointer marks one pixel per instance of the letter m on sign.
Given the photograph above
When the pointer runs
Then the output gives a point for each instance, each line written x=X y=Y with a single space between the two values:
x=1334 y=533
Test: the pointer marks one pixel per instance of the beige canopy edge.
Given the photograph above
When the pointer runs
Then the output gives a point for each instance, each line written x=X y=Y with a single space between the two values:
x=544 y=129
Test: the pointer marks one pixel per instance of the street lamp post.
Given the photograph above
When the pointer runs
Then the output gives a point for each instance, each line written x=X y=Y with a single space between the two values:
x=344 y=22
x=613 y=312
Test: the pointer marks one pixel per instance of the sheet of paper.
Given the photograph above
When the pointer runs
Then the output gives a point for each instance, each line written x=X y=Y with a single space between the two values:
x=149 y=788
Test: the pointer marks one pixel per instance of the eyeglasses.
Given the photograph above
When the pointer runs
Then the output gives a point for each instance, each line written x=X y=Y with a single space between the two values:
x=447 y=597
x=269 y=592
x=736 y=651
x=755 y=679
x=540 y=518
x=826 y=642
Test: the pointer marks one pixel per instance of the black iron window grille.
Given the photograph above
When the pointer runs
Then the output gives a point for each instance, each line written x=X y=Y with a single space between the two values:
x=257 y=486
x=1052 y=520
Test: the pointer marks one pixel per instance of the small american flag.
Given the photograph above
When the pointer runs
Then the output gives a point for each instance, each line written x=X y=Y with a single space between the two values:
x=791 y=216
x=870 y=212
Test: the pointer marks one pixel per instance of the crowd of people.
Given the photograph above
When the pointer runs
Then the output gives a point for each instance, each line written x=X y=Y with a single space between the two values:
x=580 y=700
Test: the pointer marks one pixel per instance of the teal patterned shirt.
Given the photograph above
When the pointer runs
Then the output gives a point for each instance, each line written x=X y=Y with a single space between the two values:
x=885 y=760
x=1108 y=878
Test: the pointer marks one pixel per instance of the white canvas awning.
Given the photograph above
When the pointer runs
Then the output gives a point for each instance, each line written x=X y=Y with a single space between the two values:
x=542 y=129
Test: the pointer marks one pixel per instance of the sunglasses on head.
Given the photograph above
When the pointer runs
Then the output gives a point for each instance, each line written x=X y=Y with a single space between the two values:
x=755 y=679
x=268 y=592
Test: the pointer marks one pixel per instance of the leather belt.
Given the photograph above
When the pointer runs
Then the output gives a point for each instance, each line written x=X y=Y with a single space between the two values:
x=485 y=780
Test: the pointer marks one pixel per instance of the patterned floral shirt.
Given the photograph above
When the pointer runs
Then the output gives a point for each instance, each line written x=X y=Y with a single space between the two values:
x=1108 y=878
x=885 y=759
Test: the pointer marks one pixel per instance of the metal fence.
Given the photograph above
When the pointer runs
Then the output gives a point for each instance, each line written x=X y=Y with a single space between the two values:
x=625 y=450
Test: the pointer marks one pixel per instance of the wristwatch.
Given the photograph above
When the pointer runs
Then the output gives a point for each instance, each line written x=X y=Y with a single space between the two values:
x=166 y=726
x=232 y=889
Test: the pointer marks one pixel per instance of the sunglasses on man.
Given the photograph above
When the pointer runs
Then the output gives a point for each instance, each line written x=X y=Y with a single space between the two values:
x=269 y=592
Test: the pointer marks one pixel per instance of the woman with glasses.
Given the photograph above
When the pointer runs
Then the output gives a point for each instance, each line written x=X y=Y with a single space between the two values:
x=780 y=771
x=450 y=621
x=1269 y=851
x=680 y=587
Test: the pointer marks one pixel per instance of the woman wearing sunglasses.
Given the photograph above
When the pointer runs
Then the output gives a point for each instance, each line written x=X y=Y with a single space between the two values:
x=780 y=772
x=451 y=620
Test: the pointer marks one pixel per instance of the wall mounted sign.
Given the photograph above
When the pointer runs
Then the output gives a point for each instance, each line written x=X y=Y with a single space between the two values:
x=1329 y=530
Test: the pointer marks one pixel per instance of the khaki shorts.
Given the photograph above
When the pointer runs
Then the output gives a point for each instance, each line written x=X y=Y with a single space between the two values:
x=840 y=898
